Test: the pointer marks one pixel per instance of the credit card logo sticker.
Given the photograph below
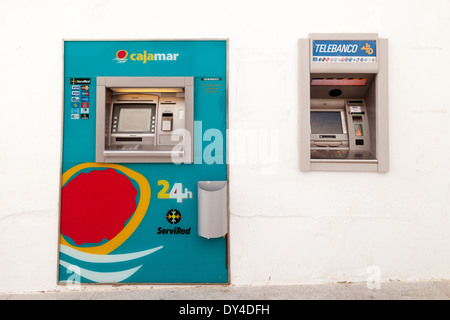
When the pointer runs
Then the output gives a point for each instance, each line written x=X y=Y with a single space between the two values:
x=80 y=81
x=84 y=110
x=74 y=116
x=75 y=99
x=84 y=99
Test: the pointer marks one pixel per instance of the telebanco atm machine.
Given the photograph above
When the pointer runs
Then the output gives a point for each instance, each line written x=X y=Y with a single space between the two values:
x=343 y=96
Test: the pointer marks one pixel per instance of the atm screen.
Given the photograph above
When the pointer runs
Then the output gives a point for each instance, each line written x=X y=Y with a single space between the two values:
x=323 y=122
x=134 y=118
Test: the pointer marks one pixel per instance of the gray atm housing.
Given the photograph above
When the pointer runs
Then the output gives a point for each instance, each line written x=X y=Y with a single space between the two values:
x=162 y=110
x=362 y=143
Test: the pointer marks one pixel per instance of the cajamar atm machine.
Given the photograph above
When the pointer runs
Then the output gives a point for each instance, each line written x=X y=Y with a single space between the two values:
x=343 y=103
x=139 y=203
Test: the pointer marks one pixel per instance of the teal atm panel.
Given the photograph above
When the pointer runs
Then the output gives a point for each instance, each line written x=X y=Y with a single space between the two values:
x=144 y=126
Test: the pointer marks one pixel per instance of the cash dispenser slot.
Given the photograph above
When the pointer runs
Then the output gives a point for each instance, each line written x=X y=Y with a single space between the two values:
x=131 y=139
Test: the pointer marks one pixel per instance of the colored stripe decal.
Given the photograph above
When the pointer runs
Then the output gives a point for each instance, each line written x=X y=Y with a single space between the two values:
x=101 y=258
x=106 y=277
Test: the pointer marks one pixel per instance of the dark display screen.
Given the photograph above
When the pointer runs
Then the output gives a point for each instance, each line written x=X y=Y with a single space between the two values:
x=133 y=117
x=323 y=122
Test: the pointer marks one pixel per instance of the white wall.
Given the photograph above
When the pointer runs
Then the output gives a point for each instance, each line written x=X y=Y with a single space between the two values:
x=287 y=226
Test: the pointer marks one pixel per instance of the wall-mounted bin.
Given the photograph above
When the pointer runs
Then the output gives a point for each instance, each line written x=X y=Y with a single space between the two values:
x=212 y=209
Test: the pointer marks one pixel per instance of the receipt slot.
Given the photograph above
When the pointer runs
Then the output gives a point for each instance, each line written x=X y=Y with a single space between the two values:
x=343 y=103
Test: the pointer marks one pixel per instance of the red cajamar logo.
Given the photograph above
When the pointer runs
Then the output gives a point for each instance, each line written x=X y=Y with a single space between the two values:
x=121 y=56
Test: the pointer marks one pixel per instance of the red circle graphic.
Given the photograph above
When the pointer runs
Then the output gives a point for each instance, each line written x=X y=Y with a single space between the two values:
x=96 y=206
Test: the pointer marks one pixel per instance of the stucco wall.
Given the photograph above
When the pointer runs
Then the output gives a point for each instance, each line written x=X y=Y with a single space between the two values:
x=286 y=226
